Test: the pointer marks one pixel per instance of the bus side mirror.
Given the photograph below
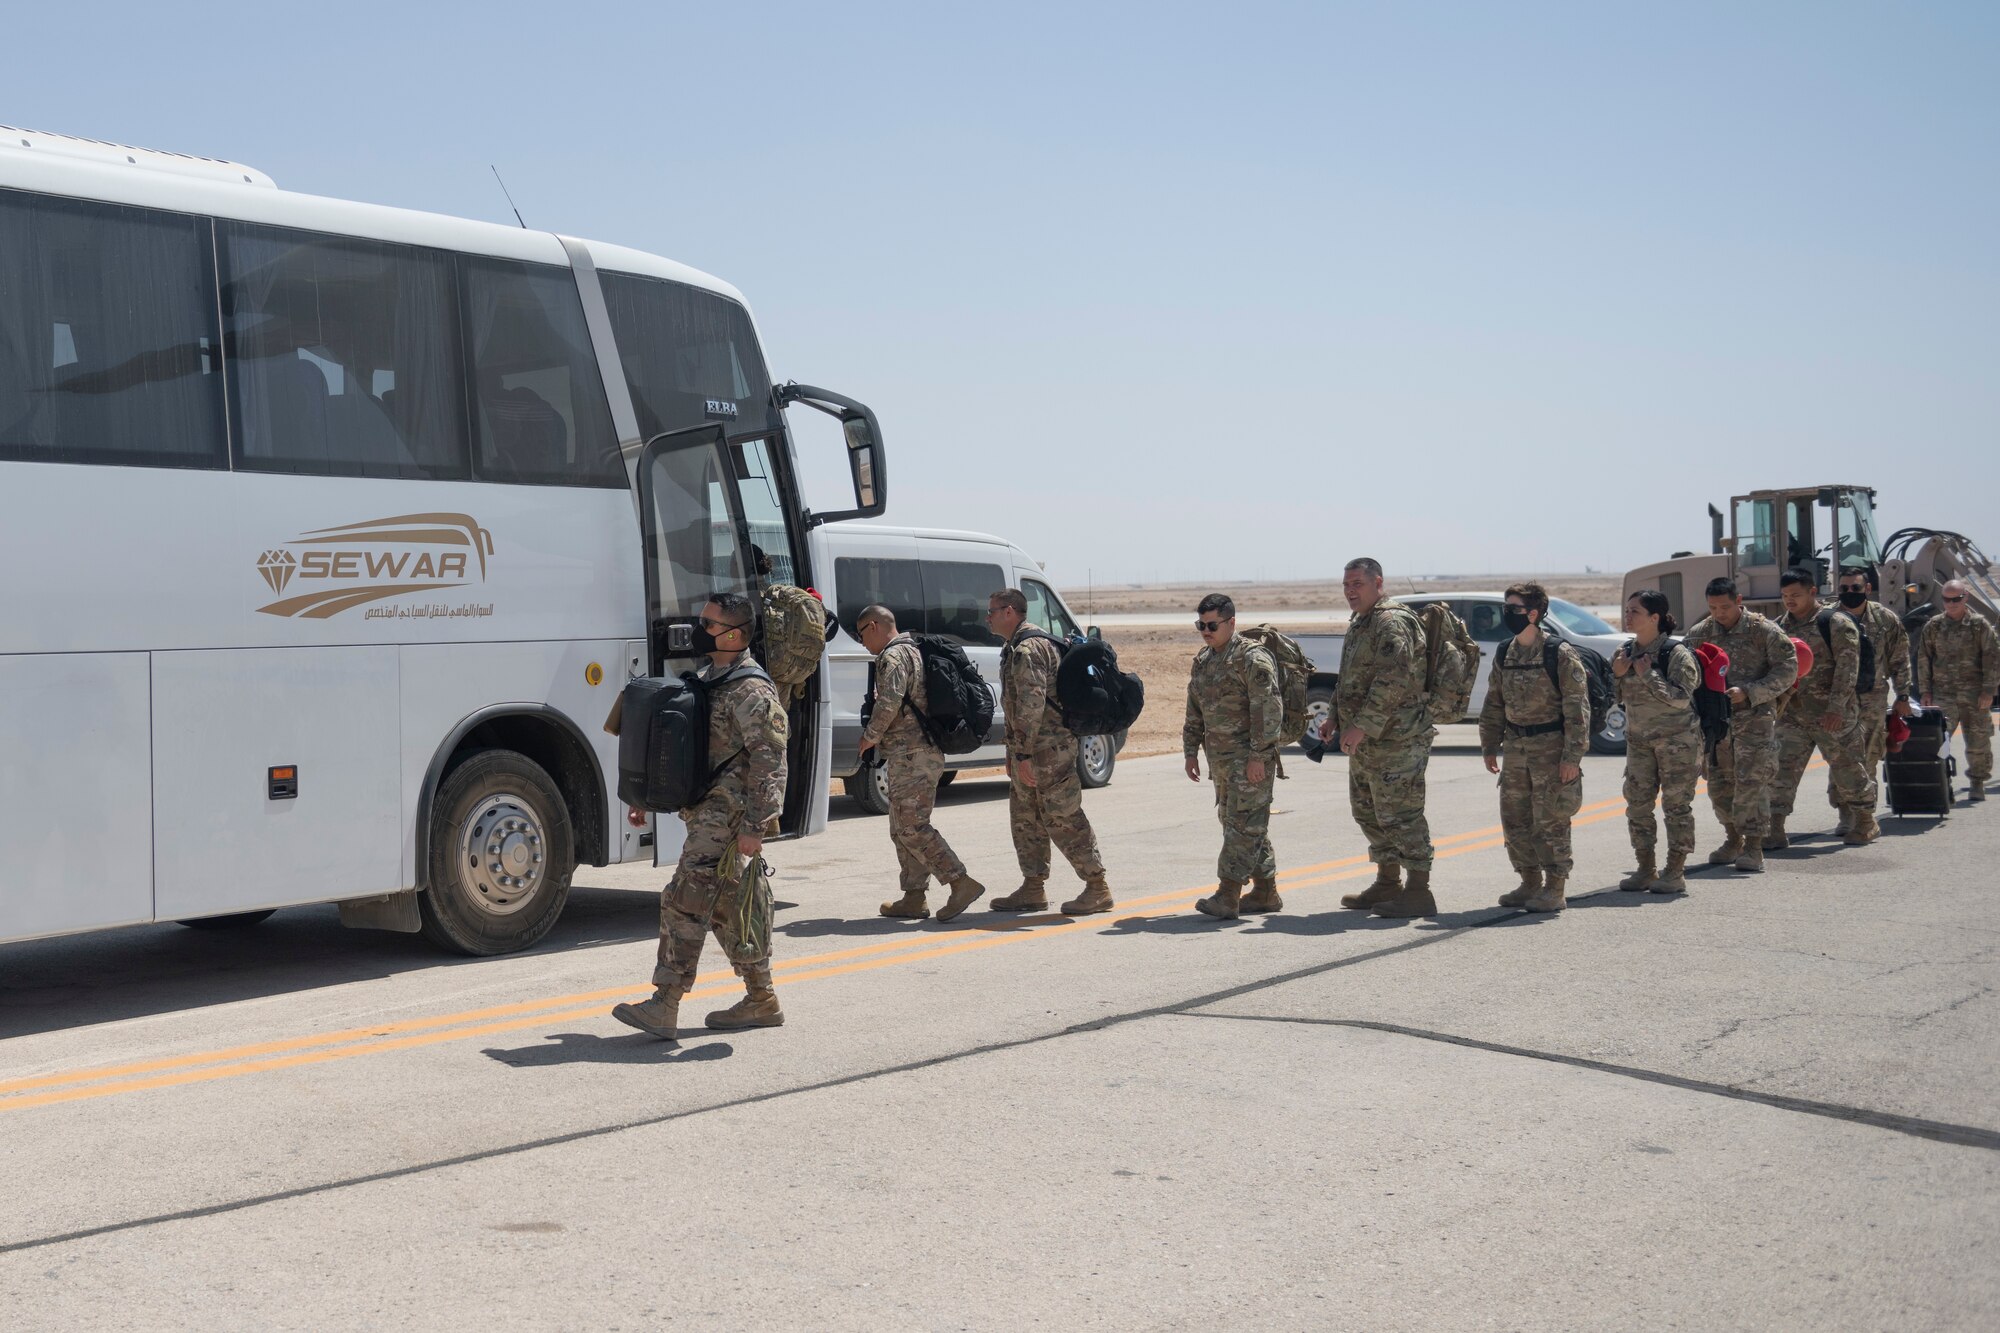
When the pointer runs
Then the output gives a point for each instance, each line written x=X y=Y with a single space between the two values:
x=863 y=437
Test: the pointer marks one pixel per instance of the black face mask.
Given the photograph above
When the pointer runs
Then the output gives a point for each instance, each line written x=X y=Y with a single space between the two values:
x=1854 y=600
x=1515 y=618
x=704 y=642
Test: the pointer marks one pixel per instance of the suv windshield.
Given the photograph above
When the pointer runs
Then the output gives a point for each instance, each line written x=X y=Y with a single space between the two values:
x=1575 y=619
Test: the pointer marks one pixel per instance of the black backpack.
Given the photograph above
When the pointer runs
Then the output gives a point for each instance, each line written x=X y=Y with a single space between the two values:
x=961 y=711
x=1864 y=679
x=1596 y=675
x=1711 y=707
x=1096 y=698
x=663 y=739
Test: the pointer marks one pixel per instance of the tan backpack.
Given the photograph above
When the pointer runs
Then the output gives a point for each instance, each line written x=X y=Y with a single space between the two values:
x=794 y=637
x=1451 y=664
x=1294 y=669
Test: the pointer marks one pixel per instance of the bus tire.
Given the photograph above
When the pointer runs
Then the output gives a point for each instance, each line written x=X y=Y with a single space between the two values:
x=501 y=855
x=229 y=920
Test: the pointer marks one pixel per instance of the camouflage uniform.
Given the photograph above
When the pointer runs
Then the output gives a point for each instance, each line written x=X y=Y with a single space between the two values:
x=1827 y=688
x=1663 y=747
x=1381 y=691
x=746 y=738
x=1960 y=661
x=912 y=765
x=1536 y=805
x=1762 y=663
x=1884 y=629
x=1235 y=713
x=1052 y=809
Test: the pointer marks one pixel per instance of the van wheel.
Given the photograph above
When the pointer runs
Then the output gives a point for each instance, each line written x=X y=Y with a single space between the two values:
x=1096 y=756
x=229 y=920
x=501 y=856
x=869 y=787
x=1610 y=739
x=1319 y=707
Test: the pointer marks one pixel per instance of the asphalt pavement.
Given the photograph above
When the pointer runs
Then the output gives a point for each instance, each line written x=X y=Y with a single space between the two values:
x=1771 y=1103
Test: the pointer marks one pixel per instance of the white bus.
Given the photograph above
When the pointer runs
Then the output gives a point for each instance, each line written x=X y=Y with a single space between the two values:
x=331 y=531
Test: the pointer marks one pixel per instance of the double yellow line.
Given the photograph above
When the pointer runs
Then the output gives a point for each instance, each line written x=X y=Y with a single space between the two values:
x=378 y=1039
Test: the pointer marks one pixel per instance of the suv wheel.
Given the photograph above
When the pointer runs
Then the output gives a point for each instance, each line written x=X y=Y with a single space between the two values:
x=1610 y=739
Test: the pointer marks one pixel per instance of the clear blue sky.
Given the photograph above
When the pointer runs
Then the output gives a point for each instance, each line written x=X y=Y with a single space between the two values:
x=1227 y=290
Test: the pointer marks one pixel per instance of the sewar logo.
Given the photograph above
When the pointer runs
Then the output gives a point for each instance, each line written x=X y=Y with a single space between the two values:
x=340 y=568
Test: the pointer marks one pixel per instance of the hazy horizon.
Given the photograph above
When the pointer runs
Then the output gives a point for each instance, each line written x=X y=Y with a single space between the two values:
x=1235 y=293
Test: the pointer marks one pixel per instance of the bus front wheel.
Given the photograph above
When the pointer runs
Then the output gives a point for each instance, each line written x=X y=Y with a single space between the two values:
x=501 y=856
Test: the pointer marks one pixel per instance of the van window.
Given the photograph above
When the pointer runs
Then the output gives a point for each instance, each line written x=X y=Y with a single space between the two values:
x=107 y=336
x=343 y=355
x=1044 y=610
x=864 y=581
x=955 y=594
x=690 y=356
x=538 y=399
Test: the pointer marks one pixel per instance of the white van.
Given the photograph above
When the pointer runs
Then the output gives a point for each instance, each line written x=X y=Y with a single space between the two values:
x=937 y=582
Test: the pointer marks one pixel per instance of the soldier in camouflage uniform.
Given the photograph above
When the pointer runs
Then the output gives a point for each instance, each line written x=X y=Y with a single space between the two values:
x=1663 y=743
x=1236 y=714
x=1045 y=795
x=912 y=767
x=1884 y=629
x=1823 y=713
x=1543 y=727
x=1386 y=733
x=1762 y=664
x=746 y=745
x=1960 y=662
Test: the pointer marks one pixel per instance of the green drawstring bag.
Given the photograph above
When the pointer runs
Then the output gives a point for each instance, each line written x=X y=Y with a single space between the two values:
x=753 y=913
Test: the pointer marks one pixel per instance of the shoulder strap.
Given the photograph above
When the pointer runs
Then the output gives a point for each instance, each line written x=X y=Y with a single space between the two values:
x=1825 y=622
x=1549 y=662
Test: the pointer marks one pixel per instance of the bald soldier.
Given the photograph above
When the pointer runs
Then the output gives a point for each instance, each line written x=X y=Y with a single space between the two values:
x=1959 y=666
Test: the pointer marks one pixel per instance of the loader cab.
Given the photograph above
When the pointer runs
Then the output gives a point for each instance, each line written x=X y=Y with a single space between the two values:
x=1819 y=528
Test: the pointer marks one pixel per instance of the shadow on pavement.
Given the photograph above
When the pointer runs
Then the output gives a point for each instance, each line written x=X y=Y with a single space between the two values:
x=964 y=790
x=573 y=1048
x=73 y=981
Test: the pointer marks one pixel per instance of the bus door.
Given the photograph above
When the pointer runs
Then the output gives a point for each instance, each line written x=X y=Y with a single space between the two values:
x=714 y=521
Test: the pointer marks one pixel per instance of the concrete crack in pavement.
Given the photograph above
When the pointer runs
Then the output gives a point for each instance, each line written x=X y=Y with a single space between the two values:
x=1969 y=1136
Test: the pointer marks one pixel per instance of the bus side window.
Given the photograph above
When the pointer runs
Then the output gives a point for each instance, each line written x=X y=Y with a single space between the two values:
x=539 y=408
x=107 y=335
x=344 y=355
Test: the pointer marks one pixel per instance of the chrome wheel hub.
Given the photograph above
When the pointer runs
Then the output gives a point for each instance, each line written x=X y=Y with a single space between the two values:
x=501 y=846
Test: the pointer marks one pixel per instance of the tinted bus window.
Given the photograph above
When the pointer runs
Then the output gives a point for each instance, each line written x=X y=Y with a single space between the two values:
x=343 y=356
x=690 y=356
x=865 y=582
x=538 y=400
x=107 y=336
x=955 y=594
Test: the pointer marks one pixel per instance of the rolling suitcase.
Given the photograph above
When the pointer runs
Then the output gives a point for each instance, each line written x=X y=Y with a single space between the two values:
x=1918 y=772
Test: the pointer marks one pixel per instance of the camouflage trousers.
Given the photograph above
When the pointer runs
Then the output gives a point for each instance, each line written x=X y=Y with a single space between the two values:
x=702 y=894
x=913 y=771
x=1536 y=805
x=1965 y=712
x=1799 y=734
x=1873 y=745
x=1664 y=767
x=1385 y=790
x=1052 y=811
x=1744 y=770
x=1244 y=807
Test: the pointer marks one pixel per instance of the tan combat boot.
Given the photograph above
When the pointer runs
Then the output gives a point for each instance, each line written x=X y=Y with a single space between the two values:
x=1844 y=823
x=1226 y=902
x=1731 y=848
x=910 y=905
x=1976 y=792
x=1643 y=877
x=965 y=891
x=1096 y=897
x=1674 y=878
x=1551 y=898
x=1864 y=831
x=1752 y=859
x=1032 y=896
x=1774 y=836
x=1388 y=883
x=660 y=1015
x=1414 y=900
x=1531 y=884
x=1263 y=895
x=757 y=1009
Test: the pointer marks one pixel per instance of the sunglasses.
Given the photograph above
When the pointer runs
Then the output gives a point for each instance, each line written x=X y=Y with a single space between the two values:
x=1959 y=598
x=1211 y=626
x=716 y=627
